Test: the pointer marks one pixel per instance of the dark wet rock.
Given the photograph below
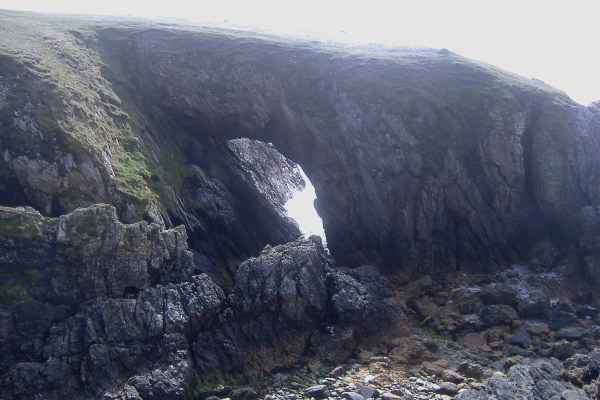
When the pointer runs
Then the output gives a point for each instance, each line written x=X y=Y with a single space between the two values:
x=497 y=315
x=543 y=375
x=586 y=311
x=499 y=294
x=367 y=392
x=391 y=396
x=502 y=388
x=562 y=319
x=243 y=393
x=529 y=379
x=412 y=178
x=521 y=337
x=352 y=396
x=572 y=334
x=536 y=305
x=512 y=351
x=359 y=294
x=470 y=370
x=471 y=394
x=218 y=392
x=318 y=392
x=90 y=253
x=279 y=309
x=448 y=388
x=498 y=365
x=452 y=376
x=562 y=350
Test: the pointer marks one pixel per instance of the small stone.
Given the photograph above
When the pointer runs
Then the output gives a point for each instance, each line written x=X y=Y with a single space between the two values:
x=470 y=370
x=498 y=365
x=497 y=314
x=318 y=392
x=511 y=351
x=473 y=340
x=571 y=334
x=495 y=294
x=338 y=371
x=431 y=368
x=448 y=388
x=442 y=363
x=521 y=338
x=390 y=396
x=243 y=393
x=368 y=392
x=586 y=311
x=452 y=376
x=352 y=396
x=538 y=330
x=562 y=319
x=562 y=350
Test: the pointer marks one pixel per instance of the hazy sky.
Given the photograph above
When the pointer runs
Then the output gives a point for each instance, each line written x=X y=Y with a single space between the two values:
x=555 y=41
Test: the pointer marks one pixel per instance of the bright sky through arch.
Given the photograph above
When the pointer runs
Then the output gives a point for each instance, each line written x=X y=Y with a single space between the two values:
x=554 y=41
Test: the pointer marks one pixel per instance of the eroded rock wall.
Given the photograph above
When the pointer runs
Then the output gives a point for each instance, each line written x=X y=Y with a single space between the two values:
x=455 y=166
x=94 y=308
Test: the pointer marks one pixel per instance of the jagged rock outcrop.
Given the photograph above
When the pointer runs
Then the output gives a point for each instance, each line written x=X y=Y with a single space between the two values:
x=288 y=303
x=530 y=379
x=88 y=253
x=116 y=310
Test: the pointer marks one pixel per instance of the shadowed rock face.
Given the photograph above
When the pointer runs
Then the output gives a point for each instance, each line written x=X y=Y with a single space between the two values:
x=112 y=309
x=450 y=166
x=422 y=161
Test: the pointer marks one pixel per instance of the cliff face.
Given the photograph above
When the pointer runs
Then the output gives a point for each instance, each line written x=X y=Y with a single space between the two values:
x=142 y=165
x=422 y=161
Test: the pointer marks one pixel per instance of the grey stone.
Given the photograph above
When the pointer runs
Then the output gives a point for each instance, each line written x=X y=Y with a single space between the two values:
x=470 y=370
x=503 y=388
x=494 y=315
x=572 y=334
x=499 y=294
x=562 y=350
x=562 y=319
x=448 y=388
x=471 y=394
x=243 y=393
x=511 y=351
x=521 y=337
x=317 y=391
x=367 y=392
x=352 y=396
x=498 y=365
x=452 y=376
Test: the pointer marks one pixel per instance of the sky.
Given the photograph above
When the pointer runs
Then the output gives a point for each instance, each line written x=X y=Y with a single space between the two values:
x=301 y=208
x=554 y=41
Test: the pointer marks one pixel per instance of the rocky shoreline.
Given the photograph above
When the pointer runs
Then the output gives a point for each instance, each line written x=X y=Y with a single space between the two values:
x=519 y=340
